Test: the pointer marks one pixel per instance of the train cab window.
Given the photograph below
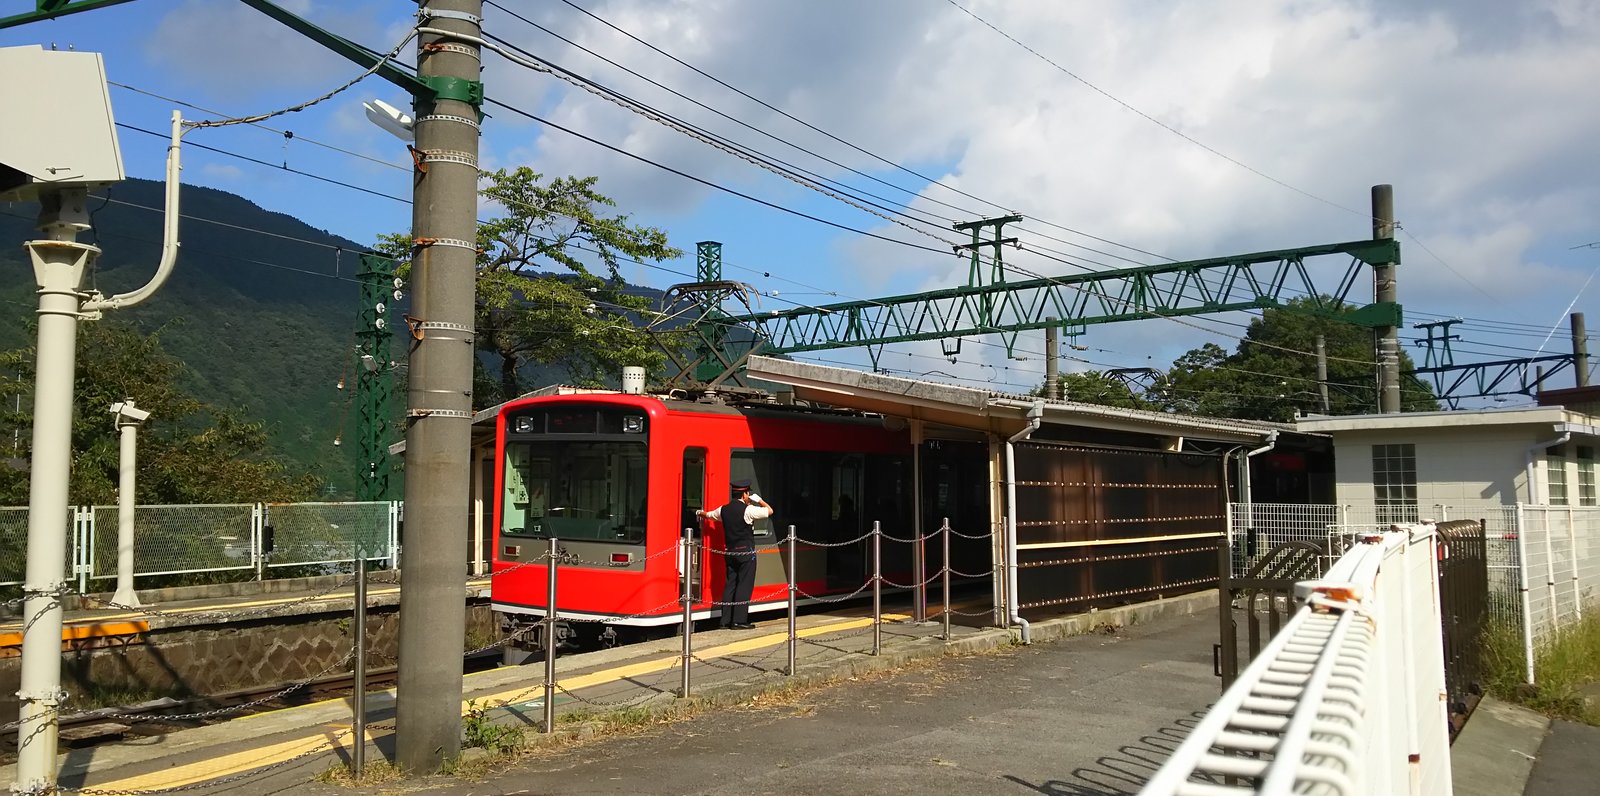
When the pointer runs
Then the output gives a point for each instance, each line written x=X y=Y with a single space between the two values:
x=576 y=489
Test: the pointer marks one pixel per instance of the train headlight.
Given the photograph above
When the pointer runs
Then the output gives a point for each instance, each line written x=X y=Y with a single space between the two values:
x=523 y=425
x=633 y=424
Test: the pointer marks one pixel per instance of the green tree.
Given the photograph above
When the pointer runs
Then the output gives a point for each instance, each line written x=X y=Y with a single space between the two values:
x=1272 y=373
x=549 y=290
x=188 y=452
x=1096 y=387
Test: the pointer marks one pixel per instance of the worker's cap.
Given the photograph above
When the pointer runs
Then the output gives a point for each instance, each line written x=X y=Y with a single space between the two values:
x=741 y=485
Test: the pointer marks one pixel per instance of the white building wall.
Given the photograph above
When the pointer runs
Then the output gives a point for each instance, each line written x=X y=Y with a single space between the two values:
x=1456 y=466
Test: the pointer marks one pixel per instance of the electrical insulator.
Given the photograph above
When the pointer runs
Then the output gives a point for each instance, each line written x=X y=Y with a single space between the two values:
x=379 y=308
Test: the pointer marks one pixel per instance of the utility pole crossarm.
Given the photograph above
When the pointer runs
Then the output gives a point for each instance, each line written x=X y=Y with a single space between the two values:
x=1221 y=284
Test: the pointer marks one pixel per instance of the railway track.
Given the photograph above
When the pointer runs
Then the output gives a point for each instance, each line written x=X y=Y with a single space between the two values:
x=146 y=719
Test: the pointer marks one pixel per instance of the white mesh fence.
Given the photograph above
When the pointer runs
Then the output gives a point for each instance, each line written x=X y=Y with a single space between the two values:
x=188 y=539
x=171 y=540
x=327 y=533
x=14 y=545
x=1561 y=567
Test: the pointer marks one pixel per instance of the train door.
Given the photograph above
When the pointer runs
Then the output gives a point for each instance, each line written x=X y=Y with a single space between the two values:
x=694 y=497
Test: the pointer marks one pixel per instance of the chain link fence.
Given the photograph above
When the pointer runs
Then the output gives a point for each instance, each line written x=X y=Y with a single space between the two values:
x=250 y=539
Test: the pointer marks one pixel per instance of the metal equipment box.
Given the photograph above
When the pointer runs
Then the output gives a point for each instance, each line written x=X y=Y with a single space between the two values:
x=59 y=128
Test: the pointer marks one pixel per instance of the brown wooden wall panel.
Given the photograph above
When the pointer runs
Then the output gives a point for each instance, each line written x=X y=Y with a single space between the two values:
x=1071 y=496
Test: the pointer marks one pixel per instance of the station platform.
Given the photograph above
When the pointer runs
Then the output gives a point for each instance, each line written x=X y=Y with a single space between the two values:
x=285 y=750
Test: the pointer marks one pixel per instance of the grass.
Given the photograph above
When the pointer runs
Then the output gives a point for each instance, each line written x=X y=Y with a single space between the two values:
x=477 y=730
x=112 y=696
x=1562 y=668
x=377 y=772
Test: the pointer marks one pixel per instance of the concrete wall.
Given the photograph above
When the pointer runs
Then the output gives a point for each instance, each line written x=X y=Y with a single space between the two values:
x=1457 y=465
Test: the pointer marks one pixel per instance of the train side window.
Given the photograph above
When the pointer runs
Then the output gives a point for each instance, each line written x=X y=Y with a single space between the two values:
x=757 y=469
x=694 y=487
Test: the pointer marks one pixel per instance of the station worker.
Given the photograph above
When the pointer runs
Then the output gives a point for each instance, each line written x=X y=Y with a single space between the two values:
x=738 y=520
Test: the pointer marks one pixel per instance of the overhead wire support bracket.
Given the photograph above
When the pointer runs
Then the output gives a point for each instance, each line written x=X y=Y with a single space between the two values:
x=422 y=89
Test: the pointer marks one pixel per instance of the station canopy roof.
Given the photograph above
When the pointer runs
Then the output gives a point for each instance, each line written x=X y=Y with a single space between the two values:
x=959 y=407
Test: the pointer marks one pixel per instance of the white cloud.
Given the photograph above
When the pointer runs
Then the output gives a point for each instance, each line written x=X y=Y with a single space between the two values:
x=221 y=172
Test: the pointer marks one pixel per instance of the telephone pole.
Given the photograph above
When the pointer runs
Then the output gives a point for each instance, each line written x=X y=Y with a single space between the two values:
x=1580 y=351
x=1322 y=371
x=1384 y=292
x=439 y=395
x=1052 y=374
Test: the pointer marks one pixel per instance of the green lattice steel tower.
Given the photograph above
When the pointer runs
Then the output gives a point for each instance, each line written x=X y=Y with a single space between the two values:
x=711 y=333
x=375 y=375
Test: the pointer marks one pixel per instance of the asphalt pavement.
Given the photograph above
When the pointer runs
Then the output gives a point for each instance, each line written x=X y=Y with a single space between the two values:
x=1093 y=714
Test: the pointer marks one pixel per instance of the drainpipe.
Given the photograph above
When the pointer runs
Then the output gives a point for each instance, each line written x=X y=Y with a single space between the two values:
x=1271 y=442
x=1035 y=417
x=1533 y=492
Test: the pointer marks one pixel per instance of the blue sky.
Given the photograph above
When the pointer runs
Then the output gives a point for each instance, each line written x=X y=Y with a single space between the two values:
x=1481 y=114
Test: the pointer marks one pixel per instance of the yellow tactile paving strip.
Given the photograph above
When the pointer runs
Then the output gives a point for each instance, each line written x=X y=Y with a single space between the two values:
x=336 y=736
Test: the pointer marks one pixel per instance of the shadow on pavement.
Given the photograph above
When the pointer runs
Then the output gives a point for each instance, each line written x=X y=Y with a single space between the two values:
x=1123 y=773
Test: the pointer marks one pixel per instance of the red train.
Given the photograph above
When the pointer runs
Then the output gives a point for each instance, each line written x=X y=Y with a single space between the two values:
x=615 y=479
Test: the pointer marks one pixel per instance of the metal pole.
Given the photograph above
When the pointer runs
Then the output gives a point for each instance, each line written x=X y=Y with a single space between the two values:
x=1052 y=376
x=1580 y=350
x=793 y=565
x=59 y=263
x=358 y=695
x=1322 y=371
x=550 y=639
x=946 y=576
x=919 y=592
x=877 y=589
x=128 y=419
x=691 y=557
x=1523 y=575
x=1572 y=556
x=1385 y=291
x=439 y=391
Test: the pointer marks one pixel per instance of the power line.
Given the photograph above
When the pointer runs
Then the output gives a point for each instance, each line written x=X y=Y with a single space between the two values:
x=1152 y=119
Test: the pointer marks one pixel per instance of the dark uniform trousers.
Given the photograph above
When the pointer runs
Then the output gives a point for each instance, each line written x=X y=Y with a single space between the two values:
x=741 y=584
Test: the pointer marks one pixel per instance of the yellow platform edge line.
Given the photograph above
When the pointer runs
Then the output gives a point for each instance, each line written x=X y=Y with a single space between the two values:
x=261 y=757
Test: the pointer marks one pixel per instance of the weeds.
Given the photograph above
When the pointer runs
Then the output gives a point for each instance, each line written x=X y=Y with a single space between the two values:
x=1562 y=667
x=478 y=730
x=378 y=772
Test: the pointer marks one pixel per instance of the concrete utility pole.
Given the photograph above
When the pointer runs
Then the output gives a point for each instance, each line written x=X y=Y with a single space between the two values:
x=1052 y=374
x=1322 y=371
x=439 y=395
x=128 y=419
x=1580 y=350
x=1384 y=290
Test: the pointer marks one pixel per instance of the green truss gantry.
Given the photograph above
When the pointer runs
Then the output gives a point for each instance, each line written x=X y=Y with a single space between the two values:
x=994 y=306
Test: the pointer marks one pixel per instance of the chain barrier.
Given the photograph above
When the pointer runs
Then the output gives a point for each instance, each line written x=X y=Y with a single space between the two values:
x=64 y=590
x=984 y=535
x=106 y=713
x=912 y=540
x=809 y=596
x=931 y=578
x=614 y=704
x=958 y=573
x=573 y=560
x=857 y=540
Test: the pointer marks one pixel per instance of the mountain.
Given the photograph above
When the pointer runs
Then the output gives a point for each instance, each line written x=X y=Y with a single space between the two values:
x=262 y=308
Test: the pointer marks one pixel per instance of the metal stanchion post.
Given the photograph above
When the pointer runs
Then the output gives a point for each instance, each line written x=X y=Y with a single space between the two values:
x=358 y=693
x=794 y=564
x=945 y=536
x=919 y=568
x=550 y=640
x=877 y=589
x=690 y=558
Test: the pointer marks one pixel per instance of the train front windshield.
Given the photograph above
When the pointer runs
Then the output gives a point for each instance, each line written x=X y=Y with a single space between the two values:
x=578 y=473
